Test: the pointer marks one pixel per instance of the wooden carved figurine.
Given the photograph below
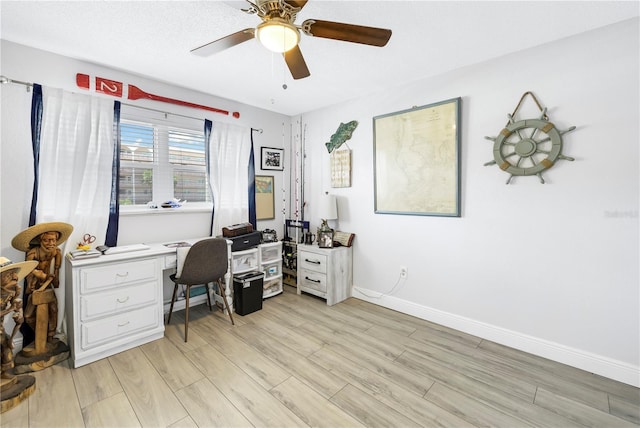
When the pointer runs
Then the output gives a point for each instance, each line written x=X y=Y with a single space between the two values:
x=13 y=388
x=40 y=242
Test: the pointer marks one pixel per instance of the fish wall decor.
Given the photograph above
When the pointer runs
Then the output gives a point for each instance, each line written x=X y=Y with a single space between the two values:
x=344 y=132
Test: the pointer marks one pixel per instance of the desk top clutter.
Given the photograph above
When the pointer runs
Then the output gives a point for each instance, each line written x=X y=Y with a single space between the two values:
x=174 y=203
x=237 y=230
x=97 y=252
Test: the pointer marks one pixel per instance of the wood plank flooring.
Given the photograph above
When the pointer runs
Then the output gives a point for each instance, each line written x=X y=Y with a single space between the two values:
x=299 y=363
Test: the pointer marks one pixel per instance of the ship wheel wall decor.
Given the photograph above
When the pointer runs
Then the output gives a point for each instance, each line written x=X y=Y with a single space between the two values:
x=528 y=147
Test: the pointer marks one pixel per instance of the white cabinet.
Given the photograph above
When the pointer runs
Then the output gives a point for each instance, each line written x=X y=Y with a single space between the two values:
x=271 y=266
x=112 y=305
x=325 y=272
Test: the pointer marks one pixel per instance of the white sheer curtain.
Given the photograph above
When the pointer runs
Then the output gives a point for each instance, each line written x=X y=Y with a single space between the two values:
x=76 y=155
x=230 y=147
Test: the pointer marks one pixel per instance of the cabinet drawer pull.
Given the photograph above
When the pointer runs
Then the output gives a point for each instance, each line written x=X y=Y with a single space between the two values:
x=122 y=275
x=123 y=324
x=123 y=300
x=316 y=262
x=317 y=281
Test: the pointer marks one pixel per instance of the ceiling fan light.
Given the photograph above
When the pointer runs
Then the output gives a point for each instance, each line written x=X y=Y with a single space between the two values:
x=278 y=36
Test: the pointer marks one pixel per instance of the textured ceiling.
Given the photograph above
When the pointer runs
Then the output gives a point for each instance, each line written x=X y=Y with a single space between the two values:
x=154 y=39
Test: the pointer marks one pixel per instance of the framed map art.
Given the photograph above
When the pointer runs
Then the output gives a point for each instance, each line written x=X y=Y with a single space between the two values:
x=265 y=201
x=416 y=160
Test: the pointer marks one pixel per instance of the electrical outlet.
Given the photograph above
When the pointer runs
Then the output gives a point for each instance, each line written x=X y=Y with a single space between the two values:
x=403 y=271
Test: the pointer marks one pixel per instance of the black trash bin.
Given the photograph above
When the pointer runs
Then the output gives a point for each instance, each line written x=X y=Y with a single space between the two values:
x=247 y=292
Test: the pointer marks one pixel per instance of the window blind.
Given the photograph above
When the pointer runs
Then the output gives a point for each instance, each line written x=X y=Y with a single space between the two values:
x=162 y=158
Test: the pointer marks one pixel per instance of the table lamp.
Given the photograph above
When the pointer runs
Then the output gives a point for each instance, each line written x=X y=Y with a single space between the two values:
x=327 y=210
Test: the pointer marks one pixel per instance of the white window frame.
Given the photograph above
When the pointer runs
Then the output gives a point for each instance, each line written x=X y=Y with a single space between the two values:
x=162 y=169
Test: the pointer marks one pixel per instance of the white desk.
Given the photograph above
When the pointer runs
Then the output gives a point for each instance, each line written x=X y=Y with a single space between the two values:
x=115 y=302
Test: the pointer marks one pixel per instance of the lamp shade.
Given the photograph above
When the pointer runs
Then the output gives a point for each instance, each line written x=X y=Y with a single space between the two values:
x=328 y=208
x=278 y=35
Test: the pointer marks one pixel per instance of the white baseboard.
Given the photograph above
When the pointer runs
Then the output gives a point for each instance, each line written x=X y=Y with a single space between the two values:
x=181 y=303
x=19 y=340
x=603 y=366
x=197 y=300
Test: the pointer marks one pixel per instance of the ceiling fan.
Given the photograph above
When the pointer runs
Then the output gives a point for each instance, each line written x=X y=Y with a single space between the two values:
x=278 y=33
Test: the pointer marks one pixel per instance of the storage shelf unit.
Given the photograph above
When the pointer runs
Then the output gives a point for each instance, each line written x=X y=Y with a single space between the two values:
x=293 y=232
x=266 y=258
x=271 y=266
x=289 y=263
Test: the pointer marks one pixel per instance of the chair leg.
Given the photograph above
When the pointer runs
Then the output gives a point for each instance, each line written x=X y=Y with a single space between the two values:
x=173 y=299
x=186 y=313
x=224 y=298
x=208 y=296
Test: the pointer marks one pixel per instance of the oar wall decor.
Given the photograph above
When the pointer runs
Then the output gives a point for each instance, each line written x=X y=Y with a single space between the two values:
x=116 y=89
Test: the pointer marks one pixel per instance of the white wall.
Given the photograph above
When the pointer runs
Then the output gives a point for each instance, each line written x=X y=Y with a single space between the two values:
x=549 y=268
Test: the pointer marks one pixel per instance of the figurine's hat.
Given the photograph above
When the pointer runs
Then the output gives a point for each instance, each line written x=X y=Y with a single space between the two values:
x=31 y=237
x=24 y=268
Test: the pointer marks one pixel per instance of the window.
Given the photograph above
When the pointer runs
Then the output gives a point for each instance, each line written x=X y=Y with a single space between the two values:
x=161 y=159
x=187 y=156
x=137 y=150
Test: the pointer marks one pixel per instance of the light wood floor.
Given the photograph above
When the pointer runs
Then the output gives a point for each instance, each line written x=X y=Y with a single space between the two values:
x=298 y=362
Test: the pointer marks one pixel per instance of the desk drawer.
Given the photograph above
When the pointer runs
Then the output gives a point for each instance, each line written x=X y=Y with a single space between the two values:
x=312 y=261
x=313 y=280
x=271 y=269
x=118 y=300
x=244 y=260
x=270 y=252
x=98 y=278
x=113 y=328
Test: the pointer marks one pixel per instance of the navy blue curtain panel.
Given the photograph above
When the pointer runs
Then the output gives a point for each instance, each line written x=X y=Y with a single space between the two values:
x=36 y=132
x=28 y=335
x=208 y=125
x=111 y=240
x=252 y=188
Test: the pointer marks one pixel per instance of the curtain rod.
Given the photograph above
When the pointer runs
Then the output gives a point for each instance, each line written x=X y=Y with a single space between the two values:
x=174 y=114
x=4 y=80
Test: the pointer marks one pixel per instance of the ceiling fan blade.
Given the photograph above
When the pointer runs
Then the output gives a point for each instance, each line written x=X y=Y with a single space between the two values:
x=295 y=62
x=242 y=5
x=346 y=32
x=224 y=43
x=296 y=3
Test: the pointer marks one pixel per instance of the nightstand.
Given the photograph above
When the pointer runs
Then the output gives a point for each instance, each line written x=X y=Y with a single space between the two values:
x=325 y=272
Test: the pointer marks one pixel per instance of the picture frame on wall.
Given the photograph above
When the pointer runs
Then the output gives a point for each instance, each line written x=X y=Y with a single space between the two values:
x=340 y=168
x=272 y=159
x=265 y=199
x=416 y=160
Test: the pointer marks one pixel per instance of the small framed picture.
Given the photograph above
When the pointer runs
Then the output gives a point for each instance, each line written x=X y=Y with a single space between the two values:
x=325 y=239
x=272 y=159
